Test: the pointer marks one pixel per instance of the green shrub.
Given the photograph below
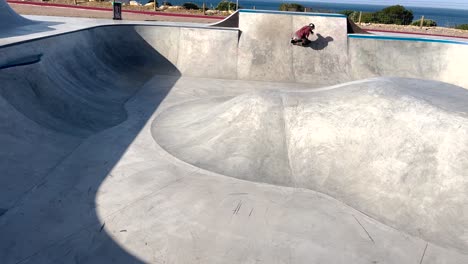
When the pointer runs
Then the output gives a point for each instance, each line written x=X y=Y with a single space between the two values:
x=395 y=15
x=426 y=23
x=368 y=18
x=190 y=6
x=462 y=26
x=226 y=6
x=390 y=15
x=291 y=7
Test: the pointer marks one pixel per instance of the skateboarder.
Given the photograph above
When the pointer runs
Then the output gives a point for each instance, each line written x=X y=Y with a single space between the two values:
x=301 y=37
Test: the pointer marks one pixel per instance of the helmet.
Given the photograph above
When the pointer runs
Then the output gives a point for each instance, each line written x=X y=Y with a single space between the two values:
x=311 y=25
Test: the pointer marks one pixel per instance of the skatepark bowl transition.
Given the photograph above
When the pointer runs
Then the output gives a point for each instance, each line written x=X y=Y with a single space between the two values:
x=189 y=143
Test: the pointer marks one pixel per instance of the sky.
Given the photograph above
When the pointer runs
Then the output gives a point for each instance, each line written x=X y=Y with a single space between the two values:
x=456 y=4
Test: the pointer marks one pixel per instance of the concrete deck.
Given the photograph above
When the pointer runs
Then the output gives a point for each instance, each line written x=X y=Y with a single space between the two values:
x=184 y=143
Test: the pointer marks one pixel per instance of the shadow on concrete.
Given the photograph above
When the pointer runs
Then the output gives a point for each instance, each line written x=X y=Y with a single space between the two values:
x=320 y=43
x=28 y=28
x=48 y=111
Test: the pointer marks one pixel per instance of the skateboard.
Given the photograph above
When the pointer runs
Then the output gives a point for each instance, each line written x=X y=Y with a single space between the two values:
x=299 y=43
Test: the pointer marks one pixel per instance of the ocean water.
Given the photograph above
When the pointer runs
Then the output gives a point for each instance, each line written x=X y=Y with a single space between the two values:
x=443 y=16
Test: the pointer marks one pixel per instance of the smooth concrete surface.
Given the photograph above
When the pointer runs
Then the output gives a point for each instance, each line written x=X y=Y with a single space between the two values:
x=379 y=145
x=424 y=59
x=9 y=19
x=154 y=144
x=266 y=54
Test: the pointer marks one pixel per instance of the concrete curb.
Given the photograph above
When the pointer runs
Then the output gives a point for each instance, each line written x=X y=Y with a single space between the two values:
x=415 y=33
x=400 y=38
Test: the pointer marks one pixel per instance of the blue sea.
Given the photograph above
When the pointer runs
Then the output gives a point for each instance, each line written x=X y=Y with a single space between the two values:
x=443 y=16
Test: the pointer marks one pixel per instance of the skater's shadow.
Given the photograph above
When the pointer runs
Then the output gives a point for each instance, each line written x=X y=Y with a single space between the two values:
x=320 y=43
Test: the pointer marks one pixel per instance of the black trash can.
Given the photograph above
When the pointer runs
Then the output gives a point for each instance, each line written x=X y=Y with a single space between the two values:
x=117 y=7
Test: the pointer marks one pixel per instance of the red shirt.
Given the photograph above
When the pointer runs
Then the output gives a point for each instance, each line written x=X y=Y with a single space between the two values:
x=304 y=32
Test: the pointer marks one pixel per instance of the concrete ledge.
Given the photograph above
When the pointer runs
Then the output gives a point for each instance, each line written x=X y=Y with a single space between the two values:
x=406 y=39
x=290 y=13
x=111 y=23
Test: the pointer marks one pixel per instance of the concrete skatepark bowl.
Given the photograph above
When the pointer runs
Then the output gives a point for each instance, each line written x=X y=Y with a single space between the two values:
x=184 y=143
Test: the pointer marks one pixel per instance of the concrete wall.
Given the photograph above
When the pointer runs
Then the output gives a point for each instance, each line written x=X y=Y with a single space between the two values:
x=78 y=82
x=56 y=91
x=231 y=21
x=265 y=53
x=259 y=49
x=440 y=60
x=197 y=51
x=51 y=80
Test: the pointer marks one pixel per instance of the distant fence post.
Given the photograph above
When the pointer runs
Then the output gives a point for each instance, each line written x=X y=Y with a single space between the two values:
x=203 y=8
x=76 y=2
x=422 y=22
x=360 y=16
